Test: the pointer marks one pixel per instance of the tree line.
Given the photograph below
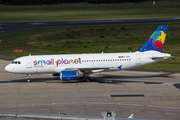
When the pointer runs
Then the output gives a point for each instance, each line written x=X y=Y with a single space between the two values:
x=47 y=2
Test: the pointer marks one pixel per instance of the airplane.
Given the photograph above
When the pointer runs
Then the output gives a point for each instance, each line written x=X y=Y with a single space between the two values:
x=75 y=66
x=106 y=115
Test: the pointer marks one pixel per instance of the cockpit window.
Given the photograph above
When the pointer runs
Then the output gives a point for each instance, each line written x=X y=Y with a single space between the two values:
x=16 y=62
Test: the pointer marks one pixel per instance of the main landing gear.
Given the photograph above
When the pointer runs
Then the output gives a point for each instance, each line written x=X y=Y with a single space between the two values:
x=88 y=79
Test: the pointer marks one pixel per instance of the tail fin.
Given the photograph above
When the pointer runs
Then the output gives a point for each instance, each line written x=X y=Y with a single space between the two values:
x=156 y=41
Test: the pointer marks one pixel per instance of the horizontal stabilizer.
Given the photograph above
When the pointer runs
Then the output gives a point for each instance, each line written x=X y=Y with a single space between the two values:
x=155 y=58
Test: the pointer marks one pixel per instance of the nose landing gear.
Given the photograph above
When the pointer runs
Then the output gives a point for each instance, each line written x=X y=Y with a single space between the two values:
x=29 y=75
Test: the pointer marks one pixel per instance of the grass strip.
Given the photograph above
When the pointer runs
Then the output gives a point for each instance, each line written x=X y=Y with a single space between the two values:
x=85 y=11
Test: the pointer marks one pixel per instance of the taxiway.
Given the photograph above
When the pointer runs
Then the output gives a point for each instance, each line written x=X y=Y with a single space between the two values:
x=26 y=26
x=147 y=94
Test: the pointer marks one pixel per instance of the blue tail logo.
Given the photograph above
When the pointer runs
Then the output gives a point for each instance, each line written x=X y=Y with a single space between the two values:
x=156 y=41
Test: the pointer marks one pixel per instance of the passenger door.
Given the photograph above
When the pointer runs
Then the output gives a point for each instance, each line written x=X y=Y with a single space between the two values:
x=28 y=63
x=138 y=59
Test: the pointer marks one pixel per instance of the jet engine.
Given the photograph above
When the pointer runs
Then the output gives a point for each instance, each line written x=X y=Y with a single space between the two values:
x=70 y=75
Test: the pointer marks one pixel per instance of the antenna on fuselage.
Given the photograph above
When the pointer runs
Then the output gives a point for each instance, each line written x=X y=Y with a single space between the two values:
x=30 y=54
x=102 y=52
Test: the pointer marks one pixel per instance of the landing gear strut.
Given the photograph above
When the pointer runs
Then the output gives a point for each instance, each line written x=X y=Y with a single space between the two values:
x=88 y=79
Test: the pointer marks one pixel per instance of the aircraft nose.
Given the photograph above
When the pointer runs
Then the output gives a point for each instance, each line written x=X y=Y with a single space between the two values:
x=8 y=68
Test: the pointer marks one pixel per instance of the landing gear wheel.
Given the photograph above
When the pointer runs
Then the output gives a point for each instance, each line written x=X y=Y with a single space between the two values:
x=88 y=79
x=82 y=77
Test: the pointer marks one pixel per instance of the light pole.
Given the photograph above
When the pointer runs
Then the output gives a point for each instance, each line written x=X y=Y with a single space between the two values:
x=153 y=3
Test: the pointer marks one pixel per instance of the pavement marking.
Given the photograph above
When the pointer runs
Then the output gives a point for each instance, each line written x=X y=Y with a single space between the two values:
x=126 y=107
x=4 y=72
x=170 y=113
x=66 y=93
x=12 y=79
x=139 y=105
x=62 y=103
x=101 y=108
x=164 y=91
x=151 y=108
x=37 y=23
x=43 y=109
x=172 y=110
x=169 y=103
x=151 y=112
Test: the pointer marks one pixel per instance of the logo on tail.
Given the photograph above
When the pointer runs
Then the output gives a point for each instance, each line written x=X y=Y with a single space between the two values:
x=156 y=41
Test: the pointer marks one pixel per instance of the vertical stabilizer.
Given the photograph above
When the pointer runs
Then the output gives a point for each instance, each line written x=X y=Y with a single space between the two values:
x=156 y=41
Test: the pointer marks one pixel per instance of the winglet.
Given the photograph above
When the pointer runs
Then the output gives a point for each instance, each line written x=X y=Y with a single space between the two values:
x=156 y=41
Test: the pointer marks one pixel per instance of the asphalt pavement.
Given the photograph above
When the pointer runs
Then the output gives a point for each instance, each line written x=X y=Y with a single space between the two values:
x=26 y=26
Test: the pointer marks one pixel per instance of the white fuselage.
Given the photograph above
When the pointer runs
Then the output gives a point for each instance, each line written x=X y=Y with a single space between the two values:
x=87 y=62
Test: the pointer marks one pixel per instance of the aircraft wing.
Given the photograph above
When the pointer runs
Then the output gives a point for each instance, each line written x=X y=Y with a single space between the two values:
x=88 y=69
x=58 y=116
x=48 y=116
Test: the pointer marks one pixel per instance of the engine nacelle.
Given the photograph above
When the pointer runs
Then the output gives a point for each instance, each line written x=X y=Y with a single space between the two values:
x=70 y=75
